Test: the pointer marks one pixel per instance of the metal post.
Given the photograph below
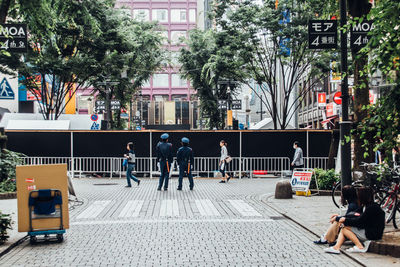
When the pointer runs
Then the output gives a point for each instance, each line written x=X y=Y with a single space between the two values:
x=345 y=124
x=151 y=154
x=308 y=148
x=72 y=156
x=261 y=111
x=240 y=155
x=108 y=108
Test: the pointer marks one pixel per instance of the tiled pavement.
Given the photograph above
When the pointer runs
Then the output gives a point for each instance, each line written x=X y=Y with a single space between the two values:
x=213 y=225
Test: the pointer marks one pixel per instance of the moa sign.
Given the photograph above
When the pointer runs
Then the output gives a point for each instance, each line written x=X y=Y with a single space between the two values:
x=13 y=38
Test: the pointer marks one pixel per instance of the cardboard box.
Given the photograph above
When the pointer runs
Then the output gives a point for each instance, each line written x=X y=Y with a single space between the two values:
x=35 y=177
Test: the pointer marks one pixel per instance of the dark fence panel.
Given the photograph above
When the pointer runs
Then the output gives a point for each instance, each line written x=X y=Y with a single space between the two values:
x=272 y=143
x=204 y=144
x=110 y=144
x=319 y=143
x=40 y=144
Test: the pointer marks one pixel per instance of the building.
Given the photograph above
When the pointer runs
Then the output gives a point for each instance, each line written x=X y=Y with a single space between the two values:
x=176 y=17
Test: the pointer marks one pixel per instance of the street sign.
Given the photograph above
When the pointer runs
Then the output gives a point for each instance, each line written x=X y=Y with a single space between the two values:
x=222 y=104
x=95 y=126
x=6 y=91
x=301 y=180
x=136 y=119
x=322 y=34
x=321 y=99
x=337 y=98
x=94 y=117
x=115 y=105
x=236 y=104
x=13 y=38
x=359 y=34
x=100 y=105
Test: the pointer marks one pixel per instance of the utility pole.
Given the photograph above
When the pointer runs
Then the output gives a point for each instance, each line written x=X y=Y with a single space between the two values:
x=345 y=124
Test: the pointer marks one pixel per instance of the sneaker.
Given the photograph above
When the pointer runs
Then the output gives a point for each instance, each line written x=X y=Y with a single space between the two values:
x=355 y=249
x=332 y=244
x=180 y=189
x=331 y=250
x=228 y=178
x=128 y=186
x=320 y=242
x=222 y=182
x=138 y=182
x=158 y=189
x=165 y=189
x=191 y=189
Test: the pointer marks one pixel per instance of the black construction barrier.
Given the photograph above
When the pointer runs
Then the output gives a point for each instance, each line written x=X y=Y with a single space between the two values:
x=204 y=143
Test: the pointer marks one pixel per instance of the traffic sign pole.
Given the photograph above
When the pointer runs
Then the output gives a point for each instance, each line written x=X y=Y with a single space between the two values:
x=345 y=124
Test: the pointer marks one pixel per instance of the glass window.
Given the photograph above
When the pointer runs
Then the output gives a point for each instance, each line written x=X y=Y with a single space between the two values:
x=175 y=58
x=160 y=80
x=146 y=84
x=141 y=14
x=161 y=15
x=176 y=81
x=192 y=15
x=164 y=34
x=178 y=15
x=176 y=35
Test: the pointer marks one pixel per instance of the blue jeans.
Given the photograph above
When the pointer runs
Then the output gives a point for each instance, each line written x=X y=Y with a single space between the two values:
x=129 y=175
x=164 y=176
x=183 y=169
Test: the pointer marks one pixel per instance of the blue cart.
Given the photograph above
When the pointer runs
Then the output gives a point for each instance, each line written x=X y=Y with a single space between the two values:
x=44 y=204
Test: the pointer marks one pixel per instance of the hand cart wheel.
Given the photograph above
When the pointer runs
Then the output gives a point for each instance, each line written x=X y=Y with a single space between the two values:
x=33 y=239
x=60 y=238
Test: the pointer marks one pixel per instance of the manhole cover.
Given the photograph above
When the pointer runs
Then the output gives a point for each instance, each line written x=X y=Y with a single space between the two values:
x=107 y=184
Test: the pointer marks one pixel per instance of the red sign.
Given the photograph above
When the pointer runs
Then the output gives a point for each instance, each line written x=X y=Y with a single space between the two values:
x=337 y=98
x=329 y=110
x=371 y=98
x=29 y=180
x=321 y=99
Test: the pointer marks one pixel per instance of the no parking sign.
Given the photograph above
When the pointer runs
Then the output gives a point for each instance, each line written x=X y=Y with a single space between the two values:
x=94 y=117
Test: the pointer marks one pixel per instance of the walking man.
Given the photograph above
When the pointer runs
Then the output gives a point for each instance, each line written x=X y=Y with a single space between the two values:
x=298 y=161
x=164 y=158
x=185 y=162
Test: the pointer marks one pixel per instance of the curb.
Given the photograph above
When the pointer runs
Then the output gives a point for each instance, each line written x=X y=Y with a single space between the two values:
x=9 y=195
x=264 y=200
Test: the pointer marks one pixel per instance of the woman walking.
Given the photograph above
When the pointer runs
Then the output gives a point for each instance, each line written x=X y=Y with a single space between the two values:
x=223 y=163
x=131 y=160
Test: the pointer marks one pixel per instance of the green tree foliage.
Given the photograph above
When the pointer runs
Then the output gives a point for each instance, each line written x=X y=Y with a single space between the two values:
x=383 y=119
x=271 y=44
x=206 y=62
x=74 y=44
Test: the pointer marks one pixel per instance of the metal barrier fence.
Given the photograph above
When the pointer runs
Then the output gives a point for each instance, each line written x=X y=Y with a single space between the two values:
x=203 y=166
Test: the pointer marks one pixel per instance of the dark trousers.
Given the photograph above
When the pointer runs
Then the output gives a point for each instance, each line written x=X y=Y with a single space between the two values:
x=129 y=175
x=164 y=176
x=297 y=167
x=183 y=169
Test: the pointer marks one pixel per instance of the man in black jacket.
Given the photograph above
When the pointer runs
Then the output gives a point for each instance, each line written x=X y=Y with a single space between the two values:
x=368 y=226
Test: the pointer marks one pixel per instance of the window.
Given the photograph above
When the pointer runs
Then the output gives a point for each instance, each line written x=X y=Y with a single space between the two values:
x=192 y=15
x=141 y=14
x=146 y=84
x=174 y=58
x=178 y=15
x=176 y=35
x=160 y=80
x=176 y=81
x=161 y=15
x=164 y=34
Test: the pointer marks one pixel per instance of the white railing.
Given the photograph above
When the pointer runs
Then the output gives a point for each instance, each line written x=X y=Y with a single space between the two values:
x=148 y=166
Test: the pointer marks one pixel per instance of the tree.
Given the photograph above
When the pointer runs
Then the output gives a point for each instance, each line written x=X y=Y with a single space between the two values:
x=271 y=42
x=206 y=62
x=383 y=119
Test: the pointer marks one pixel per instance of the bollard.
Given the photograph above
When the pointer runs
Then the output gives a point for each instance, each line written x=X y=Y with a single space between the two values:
x=283 y=190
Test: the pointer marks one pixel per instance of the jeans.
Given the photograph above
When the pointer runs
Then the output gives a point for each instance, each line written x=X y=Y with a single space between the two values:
x=164 y=176
x=182 y=171
x=129 y=175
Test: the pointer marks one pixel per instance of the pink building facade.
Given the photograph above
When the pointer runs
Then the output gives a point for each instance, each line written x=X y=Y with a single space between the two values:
x=176 y=18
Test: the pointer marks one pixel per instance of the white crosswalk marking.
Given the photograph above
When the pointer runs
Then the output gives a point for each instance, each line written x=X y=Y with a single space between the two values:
x=94 y=209
x=169 y=207
x=131 y=209
x=206 y=207
x=243 y=208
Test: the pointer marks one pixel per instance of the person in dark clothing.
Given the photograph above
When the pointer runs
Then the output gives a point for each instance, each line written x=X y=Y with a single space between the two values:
x=131 y=161
x=368 y=226
x=164 y=158
x=349 y=197
x=185 y=161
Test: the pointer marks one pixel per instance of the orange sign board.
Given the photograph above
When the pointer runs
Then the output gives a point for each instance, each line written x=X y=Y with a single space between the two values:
x=321 y=99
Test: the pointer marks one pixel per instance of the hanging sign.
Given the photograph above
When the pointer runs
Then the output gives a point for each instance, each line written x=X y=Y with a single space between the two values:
x=322 y=34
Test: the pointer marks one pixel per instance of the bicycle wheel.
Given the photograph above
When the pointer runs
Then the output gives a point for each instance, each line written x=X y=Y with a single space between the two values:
x=336 y=197
x=387 y=206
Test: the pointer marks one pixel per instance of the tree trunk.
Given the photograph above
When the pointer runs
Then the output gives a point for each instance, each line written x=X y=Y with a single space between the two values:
x=5 y=6
x=361 y=98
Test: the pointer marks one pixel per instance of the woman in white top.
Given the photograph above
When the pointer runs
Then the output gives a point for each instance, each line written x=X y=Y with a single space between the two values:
x=222 y=162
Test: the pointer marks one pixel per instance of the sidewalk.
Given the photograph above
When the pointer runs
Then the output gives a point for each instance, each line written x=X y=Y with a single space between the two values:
x=9 y=206
x=313 y=213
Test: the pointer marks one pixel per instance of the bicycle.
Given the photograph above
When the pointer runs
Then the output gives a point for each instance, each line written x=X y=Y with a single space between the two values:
x=391 y=202
x=372 y=174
